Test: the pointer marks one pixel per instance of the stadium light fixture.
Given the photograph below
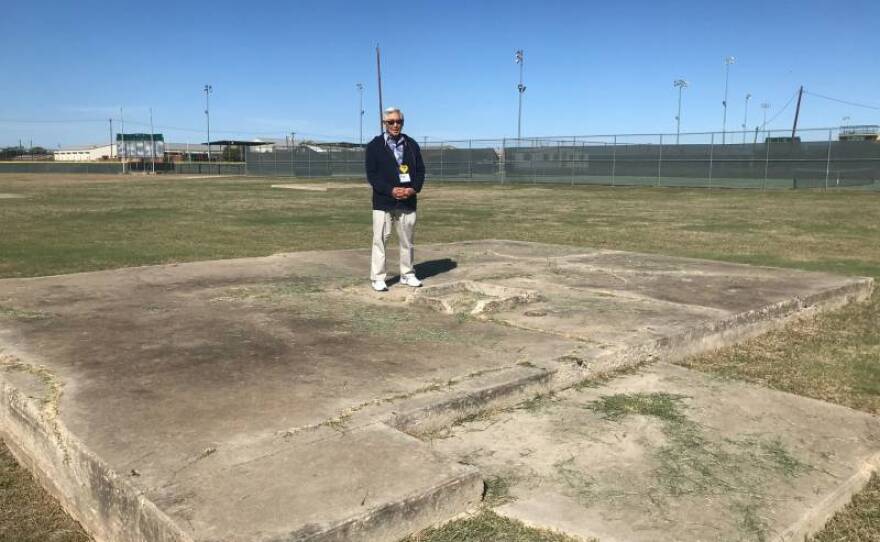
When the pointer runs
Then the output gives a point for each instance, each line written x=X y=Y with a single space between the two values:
x=681 y=84
x=746 y=117
x=728 y=60
x=208 y=90
x=765 y=106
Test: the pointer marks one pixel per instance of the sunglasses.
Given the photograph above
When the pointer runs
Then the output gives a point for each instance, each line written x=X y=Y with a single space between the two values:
x=394 y=122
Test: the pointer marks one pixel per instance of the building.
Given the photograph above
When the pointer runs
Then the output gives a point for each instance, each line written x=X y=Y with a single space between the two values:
x=88 y=153
x=868 y=132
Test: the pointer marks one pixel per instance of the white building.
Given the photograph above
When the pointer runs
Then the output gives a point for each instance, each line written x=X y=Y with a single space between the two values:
x=85 y=154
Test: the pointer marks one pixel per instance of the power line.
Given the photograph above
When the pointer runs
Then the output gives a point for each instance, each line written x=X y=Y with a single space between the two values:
x=856 y=104
x=781 y=111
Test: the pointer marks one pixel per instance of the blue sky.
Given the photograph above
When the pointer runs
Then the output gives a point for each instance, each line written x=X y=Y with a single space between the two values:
x=590 y=67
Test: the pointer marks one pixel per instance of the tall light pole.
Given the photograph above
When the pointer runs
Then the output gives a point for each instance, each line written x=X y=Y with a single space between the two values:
x=681 y=84
x=360 y=87
x=844 y=120
x=746 y=117
x=521 y=88
x=728 y=60
x=208 y=91
x=765 y=106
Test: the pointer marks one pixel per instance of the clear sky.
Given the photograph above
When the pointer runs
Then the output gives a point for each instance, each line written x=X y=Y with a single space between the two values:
x=277 y=67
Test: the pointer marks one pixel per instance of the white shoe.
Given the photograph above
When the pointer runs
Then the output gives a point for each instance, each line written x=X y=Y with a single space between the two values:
x=380 y=286
x=410 y=280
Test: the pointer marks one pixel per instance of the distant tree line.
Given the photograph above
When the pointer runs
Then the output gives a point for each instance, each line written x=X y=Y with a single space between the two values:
x=14 y=153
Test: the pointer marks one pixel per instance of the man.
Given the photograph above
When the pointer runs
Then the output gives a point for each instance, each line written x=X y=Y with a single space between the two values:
x=396 y=172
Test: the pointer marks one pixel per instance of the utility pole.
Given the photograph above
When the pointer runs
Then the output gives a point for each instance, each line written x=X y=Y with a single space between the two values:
x=360 y=87
x=111 y=138
x=208 y=90
x=728 y=60
x=521 y=88
x=797 y=113
x=681 y=84
x=379 y=80
x=293 y=139
x=746 y=117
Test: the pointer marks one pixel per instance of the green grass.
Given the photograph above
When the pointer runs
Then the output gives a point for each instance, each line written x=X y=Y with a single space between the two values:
x=76 y=223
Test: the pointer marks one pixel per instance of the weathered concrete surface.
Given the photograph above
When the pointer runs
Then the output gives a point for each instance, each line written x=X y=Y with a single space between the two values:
x=671 y=454
x=137 y=394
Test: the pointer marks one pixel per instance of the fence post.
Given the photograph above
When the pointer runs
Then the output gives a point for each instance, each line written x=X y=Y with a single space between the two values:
x=470 y=151
x=660 y=160
x=503 y=160
x=828 y=161
x=766 y=160
x=441 y=160
x=711 y=156
x=534 y=179
x=613 y=160
x=308 y=162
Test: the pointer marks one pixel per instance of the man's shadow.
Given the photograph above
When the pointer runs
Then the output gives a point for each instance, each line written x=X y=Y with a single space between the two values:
x=431 y=268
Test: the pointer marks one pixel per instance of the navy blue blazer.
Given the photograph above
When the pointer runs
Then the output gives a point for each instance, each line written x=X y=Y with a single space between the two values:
x=383 y=173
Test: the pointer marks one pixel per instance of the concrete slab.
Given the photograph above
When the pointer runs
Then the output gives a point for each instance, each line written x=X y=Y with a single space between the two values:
x=119 y=386
x=671 y=454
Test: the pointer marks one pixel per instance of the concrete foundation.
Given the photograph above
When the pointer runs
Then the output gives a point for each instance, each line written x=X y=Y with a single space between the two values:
x=280 y=398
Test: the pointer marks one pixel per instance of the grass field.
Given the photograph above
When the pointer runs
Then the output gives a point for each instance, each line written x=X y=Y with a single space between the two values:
x=64 y=224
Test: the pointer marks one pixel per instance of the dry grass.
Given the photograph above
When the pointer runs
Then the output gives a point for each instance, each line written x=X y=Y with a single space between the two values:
x=859 y=521
x=27 y=512
x=834 y=357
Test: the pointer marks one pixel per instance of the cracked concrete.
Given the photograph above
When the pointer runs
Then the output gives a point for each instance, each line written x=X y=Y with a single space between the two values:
x=275 y=398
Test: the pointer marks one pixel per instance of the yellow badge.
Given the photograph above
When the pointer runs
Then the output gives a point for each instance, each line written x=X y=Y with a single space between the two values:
x=404 y=168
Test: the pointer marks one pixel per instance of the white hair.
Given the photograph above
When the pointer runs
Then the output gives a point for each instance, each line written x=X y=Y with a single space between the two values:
x=390 y=110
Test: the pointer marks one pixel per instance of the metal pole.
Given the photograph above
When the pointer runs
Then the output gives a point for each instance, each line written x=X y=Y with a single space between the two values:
x=379 y=82
x=766 y=160
x=613 y=160
x=828 y=161
x=503 y=161
x=122 y=134
x=152 y=144
x=111 y=139
x=360 y=87
x=727 y=62
x=681 y=84
x=746 y=118
x=521 y=88
x=208 y=90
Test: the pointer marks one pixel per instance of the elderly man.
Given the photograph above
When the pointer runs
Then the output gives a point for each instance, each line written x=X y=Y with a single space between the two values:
x=396 y=172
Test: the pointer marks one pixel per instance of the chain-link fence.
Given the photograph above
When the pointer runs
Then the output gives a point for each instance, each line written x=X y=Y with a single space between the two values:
x=116 y=168
x=816 y=158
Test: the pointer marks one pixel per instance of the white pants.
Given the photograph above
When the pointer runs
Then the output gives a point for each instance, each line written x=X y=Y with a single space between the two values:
x=406 y=225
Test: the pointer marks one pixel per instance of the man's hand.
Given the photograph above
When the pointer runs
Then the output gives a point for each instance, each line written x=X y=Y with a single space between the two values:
x=402 y=192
